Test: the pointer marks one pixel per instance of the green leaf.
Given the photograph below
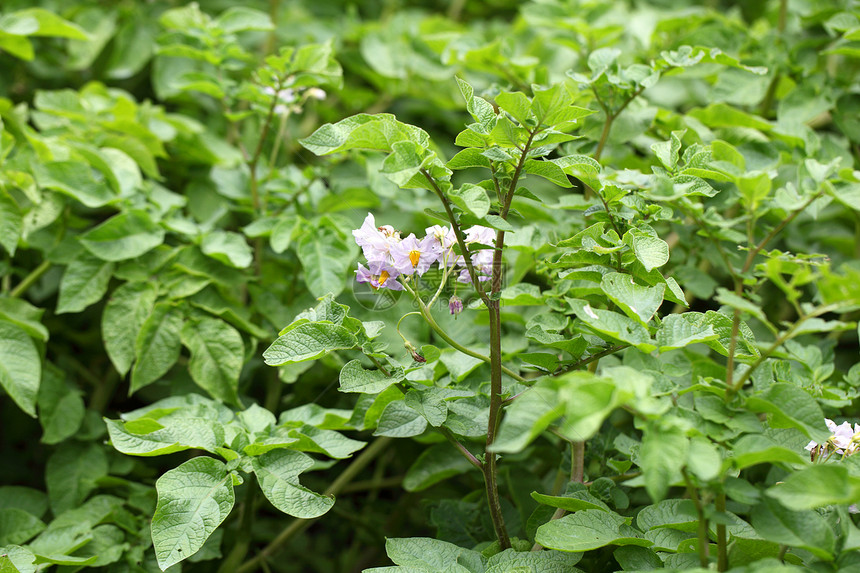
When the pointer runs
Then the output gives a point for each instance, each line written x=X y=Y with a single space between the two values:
x=614 y=325
x=433 y=555
x=363 y=131
x=308 y=341
x=436 y=463
x=586 y=530
x=574 y=501
x=72 y=472
x=41 y=22
x=667 y=151
x=85 y=282
x=124 y=236
x=277 y=472
x=553 y=106
x=122 y=319
x=817 y=486
x=804 y=529
x=661 y=457
x=23 y=315
x=325 y=258
x=528 y=416
x=637 y=302
x=517 y=104
x=18 y=526
x=193 y=500
x=148 y=437
x=227 y=247
x=753 y=449
x=11 y=222
x=20 y=367
x=651 y=251
x=74 y=179
x=17 y=559
x=217 y=355
x=471 y=198
x=589 y=401
x=400 y=421
x=354 y=378
x=157 y=346
x=548 y=170
x=241 y=19
x=469 y=157
x=680 y=330
x=788 y=406
x=61 y=409
x=328 y=442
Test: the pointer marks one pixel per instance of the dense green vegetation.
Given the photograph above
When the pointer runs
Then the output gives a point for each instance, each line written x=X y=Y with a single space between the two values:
x=623 y=336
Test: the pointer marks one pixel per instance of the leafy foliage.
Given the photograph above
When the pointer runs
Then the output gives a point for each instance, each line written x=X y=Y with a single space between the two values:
x=638 y=365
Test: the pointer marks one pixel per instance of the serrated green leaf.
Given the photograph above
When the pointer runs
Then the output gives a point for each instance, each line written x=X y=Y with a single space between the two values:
x=277 y=472
x=157 y=346
x=400 y=421
x=193 y=500
x=20 y=367
x=651 y=251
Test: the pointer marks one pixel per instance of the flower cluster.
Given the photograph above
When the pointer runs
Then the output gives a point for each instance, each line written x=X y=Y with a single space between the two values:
x=288 y=98
x=389 y=255
x=844 y=441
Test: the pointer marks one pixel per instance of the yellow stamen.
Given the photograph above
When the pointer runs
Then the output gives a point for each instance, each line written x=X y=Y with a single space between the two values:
x=413 y=258
x=383 y=276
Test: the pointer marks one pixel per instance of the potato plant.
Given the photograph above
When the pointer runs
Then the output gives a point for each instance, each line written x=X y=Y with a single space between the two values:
x=557 y=285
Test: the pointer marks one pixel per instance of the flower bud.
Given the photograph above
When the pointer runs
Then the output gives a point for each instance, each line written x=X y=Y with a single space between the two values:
x=455 y=305
x=416 y=356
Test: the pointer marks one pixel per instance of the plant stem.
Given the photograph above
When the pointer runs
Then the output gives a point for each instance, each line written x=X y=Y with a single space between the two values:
x=703 y=522
x=722 y=545
x=428 y=317
x=493 y=424
x=352 y=470
x=28 y=281
x=588 y=360
x=460 y=447
x=243 y=535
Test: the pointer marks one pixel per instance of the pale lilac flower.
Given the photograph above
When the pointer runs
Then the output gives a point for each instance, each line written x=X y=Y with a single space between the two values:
x=844 y=439
x=482 y=235
x=442 y=243
x=379 y=275
x=411 y=255
x=375 y=242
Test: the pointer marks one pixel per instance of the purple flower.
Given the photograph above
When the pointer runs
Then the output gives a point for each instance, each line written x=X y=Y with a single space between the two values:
x=455 y=305
x=411 y=255
x=375 y=242
x=443 y=241
x=379 y=275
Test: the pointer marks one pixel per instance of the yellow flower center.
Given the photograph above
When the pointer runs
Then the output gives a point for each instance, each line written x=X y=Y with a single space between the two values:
x=414 y=256
x=383 y=276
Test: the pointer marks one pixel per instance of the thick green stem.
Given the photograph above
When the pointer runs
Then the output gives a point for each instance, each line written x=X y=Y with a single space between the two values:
x=299 y=525
x=492 y=425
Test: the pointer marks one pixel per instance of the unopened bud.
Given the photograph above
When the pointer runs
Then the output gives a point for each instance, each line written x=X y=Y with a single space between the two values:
x=455 y=305
x=416 y=355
